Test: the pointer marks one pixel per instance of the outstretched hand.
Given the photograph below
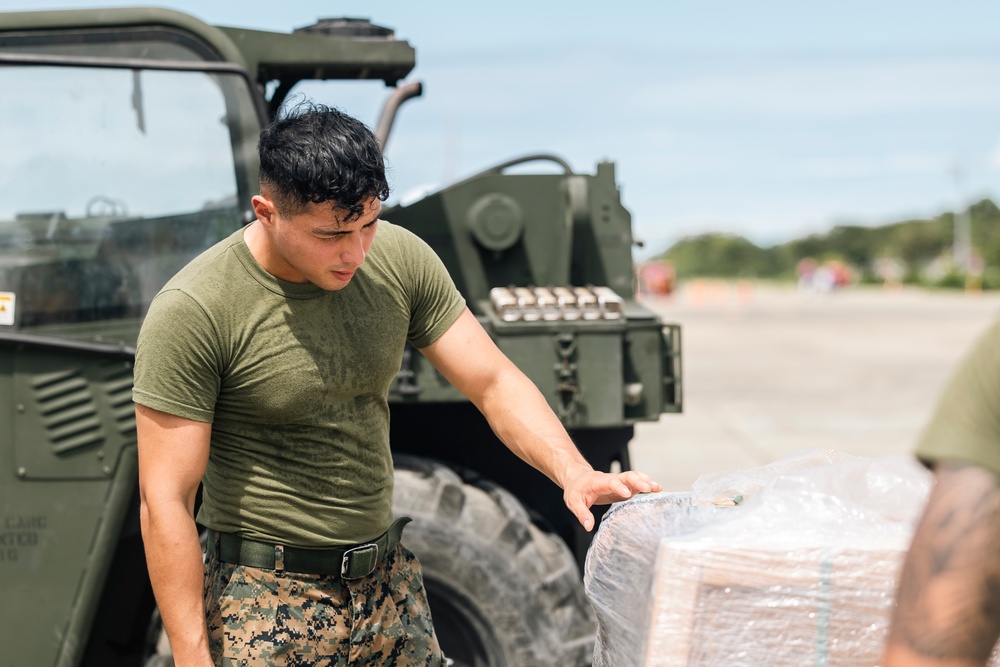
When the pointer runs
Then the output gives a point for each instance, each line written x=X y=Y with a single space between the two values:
x=601 y=488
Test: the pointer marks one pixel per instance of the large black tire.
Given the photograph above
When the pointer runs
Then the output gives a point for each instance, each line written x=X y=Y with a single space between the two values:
x=503 y=592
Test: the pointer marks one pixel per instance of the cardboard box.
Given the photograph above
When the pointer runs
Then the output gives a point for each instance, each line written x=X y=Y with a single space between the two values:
x=768 y=605
x=791 y=564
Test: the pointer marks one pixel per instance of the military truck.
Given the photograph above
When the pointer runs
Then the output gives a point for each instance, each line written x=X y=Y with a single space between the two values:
x=127 y=146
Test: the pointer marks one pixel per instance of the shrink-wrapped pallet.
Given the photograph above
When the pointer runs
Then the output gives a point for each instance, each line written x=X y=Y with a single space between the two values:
x=790 y=564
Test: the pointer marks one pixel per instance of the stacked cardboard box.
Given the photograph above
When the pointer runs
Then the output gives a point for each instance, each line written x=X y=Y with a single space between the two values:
x=803 y=572
x=717 y=604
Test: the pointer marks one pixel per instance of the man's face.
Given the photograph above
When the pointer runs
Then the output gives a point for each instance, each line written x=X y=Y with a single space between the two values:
x=316 y=245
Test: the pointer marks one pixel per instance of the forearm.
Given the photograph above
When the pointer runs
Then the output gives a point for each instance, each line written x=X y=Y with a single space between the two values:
x=176 y=572
x=524 y=422
x=948 y=603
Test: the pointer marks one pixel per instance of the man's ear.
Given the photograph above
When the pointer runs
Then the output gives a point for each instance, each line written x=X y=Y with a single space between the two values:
x=264 y=208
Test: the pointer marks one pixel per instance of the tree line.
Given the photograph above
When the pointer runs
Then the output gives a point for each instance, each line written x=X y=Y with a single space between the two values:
x=913 y=251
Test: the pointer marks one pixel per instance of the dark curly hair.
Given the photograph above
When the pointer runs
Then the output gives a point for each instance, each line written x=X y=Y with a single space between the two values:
x=312 y=153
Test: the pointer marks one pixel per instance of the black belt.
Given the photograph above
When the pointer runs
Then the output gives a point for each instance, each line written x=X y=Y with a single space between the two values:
x=351 y=562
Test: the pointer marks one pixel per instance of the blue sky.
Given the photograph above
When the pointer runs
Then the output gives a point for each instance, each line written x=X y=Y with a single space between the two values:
x=769 y=119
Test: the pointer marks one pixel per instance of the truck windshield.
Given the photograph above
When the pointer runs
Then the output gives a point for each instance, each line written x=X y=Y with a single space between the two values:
x=112 y=179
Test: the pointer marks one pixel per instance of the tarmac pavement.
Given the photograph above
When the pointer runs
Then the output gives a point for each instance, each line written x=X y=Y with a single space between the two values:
x=770 y=371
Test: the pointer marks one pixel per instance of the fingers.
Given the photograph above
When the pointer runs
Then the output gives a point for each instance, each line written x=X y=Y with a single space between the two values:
x=625 y=485
x=620 y=488
x=582 y=512
x=640 y=482
x=604 y=488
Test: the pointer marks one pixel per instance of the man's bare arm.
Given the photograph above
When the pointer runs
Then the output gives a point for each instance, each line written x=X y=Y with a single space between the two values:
x=523 y=420
x=948 y=602
x=173 y=455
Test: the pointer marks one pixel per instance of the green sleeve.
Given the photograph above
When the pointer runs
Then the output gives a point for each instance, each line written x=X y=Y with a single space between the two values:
x=966 y=423
x=435 y=302
x=177 y=363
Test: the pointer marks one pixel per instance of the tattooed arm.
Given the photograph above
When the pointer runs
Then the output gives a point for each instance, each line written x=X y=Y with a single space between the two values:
x=948 y=602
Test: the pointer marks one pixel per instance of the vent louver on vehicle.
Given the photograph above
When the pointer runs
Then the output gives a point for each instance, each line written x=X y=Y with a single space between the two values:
x=68 y=411
x=73 y=411
x=117 y=386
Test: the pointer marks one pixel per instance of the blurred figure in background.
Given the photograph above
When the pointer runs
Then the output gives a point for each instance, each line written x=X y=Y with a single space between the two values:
x=805 y=273
x=656 y=277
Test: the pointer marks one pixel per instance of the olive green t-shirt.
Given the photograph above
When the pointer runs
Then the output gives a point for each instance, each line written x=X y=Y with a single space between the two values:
x=294 y=380
x=966 y=424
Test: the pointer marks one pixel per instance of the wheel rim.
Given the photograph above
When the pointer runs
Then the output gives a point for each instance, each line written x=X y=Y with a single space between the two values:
x=463 y=633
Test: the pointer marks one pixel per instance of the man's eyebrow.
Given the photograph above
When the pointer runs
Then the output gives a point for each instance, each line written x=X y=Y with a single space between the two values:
x=330 y=232
x=340 y=232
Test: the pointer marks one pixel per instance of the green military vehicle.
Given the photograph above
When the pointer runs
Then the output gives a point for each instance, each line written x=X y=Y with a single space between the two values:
x=127 y=146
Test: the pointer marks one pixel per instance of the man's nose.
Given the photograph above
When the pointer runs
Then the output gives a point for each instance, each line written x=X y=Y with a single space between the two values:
x=354 y=250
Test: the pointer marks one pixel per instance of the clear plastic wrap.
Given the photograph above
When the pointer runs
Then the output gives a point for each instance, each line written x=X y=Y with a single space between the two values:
x=793 y=563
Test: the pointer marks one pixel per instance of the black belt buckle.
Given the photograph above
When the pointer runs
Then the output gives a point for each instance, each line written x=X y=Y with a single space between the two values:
x=359 y=561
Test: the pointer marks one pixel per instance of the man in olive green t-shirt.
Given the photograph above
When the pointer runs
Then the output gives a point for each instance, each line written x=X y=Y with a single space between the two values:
x=948 y=601
x=263 y=369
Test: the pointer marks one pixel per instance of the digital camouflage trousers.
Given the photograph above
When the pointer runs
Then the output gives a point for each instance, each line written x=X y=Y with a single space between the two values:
x=267 y=618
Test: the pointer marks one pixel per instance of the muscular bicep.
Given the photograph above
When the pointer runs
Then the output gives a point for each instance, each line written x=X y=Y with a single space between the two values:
x=949 y=591
x=173 y=455
x=469 y=359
